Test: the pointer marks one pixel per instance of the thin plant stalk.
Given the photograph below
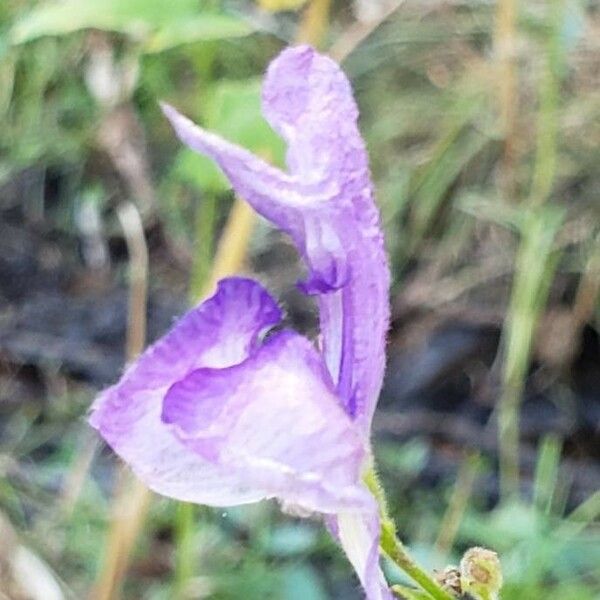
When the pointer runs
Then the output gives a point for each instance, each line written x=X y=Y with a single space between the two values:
x=535 y=263
x=547 y=121
x=406 y=593
x=185 y=525
x=505 y=32
x=314 y=23
x=132 y=498
x=394 y=549
x=232 y=247
x=586 y=513
x=397 y=552
x=458 y=503
x=131 y=222
x=546 y=474
x=129 y=509
x=534 y=268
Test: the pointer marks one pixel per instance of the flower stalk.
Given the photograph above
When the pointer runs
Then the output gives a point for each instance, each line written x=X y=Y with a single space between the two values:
x=394 y=549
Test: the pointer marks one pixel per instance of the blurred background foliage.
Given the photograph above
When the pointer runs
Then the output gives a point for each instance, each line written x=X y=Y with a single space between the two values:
x=483 y=125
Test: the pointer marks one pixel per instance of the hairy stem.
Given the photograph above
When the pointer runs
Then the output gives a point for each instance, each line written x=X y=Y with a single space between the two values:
x=395 y=550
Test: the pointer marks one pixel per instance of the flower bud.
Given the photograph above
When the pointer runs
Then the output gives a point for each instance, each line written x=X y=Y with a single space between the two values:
x=481 y=573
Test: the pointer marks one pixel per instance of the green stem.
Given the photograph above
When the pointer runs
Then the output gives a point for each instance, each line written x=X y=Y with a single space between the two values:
x=547 y=121
x=534 y=263
x=406 y=593
x=398 y=553
x=508 y=435
x=534 y=267
x=395 y=549
x=184 y=532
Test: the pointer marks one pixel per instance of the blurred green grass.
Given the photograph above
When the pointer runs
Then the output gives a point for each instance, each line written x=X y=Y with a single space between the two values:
x=453 y=207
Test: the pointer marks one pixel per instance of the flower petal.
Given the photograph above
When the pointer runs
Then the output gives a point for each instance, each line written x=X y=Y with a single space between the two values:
x=221 y=332
x=275 y=419
x=308 y=99
x=358 y=534
x=272 y=193
x=326 y=204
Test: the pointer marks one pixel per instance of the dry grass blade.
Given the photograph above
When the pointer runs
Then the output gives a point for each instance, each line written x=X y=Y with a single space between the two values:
x=458 y=504
x=358 y=32
x=314 y=22
x=233 y=244
x=135 y=238
x=129 y=510
x=132 y=498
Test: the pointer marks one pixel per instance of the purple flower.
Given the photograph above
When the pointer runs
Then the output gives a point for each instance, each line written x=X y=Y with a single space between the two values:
x=217 y=413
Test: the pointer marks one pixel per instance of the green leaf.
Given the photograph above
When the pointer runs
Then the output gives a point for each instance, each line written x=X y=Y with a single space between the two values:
x=201 y=28
x=159 y=24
